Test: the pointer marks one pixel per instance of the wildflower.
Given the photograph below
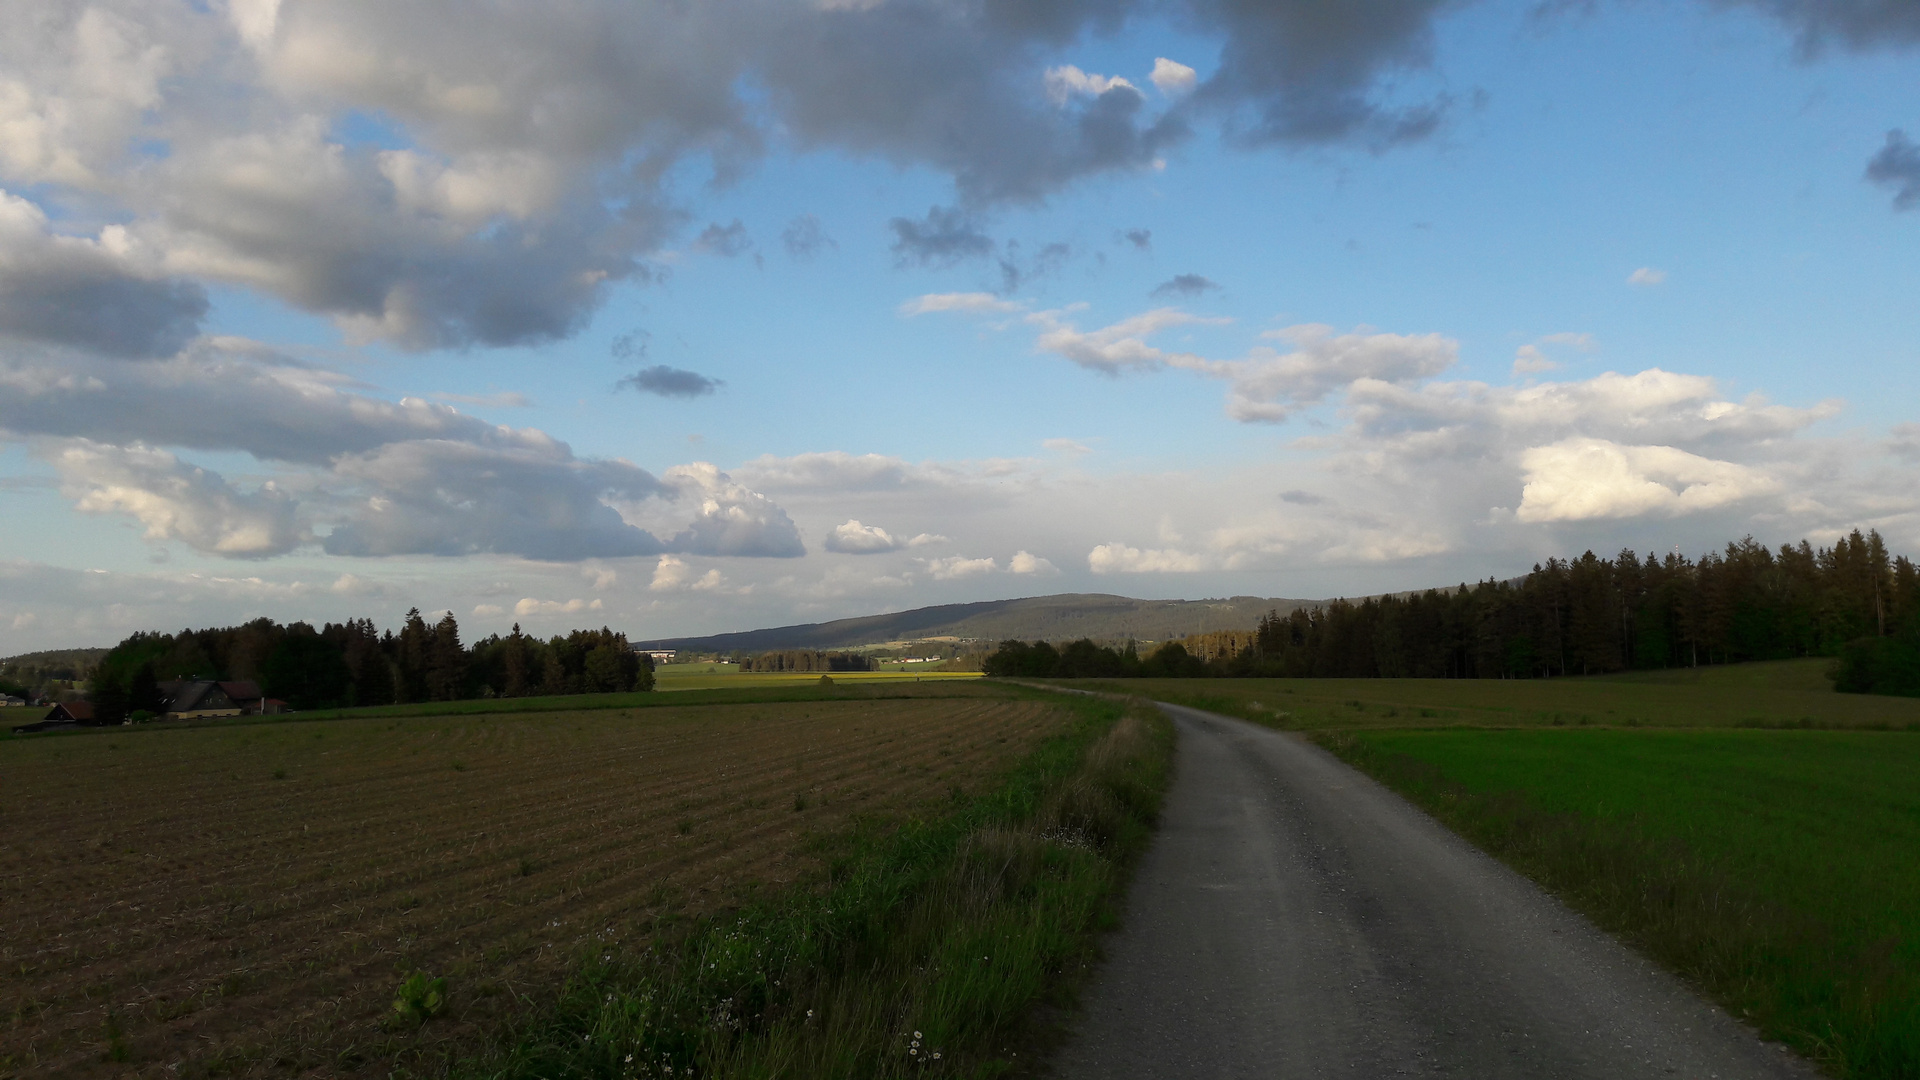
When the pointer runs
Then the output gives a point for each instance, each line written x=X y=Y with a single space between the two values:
x=629 y=1059
x=916 y=1035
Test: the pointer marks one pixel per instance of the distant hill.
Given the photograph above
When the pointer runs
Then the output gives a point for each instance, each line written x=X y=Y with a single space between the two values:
x=1065 y=617
x=78 y=659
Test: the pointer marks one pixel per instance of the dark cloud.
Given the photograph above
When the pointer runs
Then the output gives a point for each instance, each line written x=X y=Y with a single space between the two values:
x=1301 y=498
x=670 y=382
x=1183 y=285
x=1897 y=166
x=1141 y=239
x=724 y=240
x=1016 y=271
x=71 y=291
x=947 y=235
x=1856 y=25
x=805 y=237
x=1305 y=71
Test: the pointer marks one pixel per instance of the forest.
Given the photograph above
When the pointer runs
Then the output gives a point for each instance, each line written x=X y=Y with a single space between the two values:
x=353 y=663
x=806 y=660
x=1581 y=616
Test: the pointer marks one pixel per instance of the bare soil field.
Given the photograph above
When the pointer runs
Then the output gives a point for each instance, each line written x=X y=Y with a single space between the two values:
x=246 y=900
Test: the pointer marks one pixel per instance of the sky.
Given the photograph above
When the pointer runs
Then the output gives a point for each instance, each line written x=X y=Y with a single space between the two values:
x=686 y=318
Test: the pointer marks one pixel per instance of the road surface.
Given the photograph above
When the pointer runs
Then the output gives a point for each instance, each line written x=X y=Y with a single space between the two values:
x=1295 y=919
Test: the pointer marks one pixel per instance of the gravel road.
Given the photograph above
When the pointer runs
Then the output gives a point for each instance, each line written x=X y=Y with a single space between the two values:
x=1295 y=919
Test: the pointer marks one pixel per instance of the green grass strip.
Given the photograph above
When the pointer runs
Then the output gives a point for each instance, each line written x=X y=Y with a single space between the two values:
x=922 y=952
x=1775 y=870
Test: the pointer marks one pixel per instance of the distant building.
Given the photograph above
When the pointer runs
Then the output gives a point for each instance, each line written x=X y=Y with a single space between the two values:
x=193 y=699
x=10 y=702
x=64 y=715
x=660 y=656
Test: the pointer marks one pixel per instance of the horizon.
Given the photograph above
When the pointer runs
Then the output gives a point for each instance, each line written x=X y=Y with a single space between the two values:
x=684 y=320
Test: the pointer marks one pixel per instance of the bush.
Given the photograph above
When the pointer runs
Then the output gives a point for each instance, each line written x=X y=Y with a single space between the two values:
x=1879 y=666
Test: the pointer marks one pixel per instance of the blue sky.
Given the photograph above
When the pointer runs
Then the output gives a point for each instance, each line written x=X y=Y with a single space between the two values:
x=317 y=311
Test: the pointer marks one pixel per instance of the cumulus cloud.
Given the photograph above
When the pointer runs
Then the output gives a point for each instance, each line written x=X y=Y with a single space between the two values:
x=174 y=500
x=1067 y=82
x=1183 y=285
x=853 y=538
x=805 y=237
x=733 y=519
x=672 y=574
x=89 y=293
x=1580 y=479
x=664 y=381
x=1124 y=559
x=1269 y=385
x=947 y=235
x=1026 y=562
x=1172 y=77
x=1647 y=277
x=1897 y=166
x=959 y=566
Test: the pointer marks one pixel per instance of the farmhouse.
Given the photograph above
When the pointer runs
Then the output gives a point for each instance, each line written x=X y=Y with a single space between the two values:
x=191 y=699
x=64 y=715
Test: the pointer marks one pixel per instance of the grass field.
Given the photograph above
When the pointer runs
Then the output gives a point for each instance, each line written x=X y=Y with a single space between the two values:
x=1780 y=870
x=245 y=899
x=1785 y=694
x=667 y=678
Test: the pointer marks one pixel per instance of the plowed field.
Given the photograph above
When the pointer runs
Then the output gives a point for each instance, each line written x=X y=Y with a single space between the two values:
x=245 y=900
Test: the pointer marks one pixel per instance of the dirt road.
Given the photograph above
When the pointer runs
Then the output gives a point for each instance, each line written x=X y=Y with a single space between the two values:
x=1295 y=919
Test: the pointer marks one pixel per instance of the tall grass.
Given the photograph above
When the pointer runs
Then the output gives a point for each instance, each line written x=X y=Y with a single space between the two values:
x=920 y=953
x=1823 y=965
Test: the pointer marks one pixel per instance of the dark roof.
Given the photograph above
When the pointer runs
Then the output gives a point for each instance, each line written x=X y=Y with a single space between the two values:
x=80 y=711
x=242 y=689
x=190 y=696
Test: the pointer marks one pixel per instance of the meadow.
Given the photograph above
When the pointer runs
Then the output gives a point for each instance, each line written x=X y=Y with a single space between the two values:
x=1775 y=869
x=246 y=899
x=1780 y=694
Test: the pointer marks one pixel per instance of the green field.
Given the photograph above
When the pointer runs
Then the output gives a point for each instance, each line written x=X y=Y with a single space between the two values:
x=668 y=678
x=1783 y=694
x=1776 y=869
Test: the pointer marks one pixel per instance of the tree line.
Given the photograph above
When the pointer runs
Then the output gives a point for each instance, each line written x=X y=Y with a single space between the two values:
x=806 y=660
x=353 y=663
x=1582 y=616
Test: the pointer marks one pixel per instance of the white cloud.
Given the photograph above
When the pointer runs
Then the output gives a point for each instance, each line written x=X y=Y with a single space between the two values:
x=733 y=519
x=1068 y=447
x=1123 y=559
x=488 y=611
x=924 y=539
x=1171 y=77
x=959 y=566
x=1647 y=276
x=174 y=500
x=853 y=538
x=673 y=574
x=1067 y=82
x=1532 y=358
x=530 y=606
x=1121 y=346
x=1581 y=479
x=1268 y=386
x=1026 y=562
x=932 y=303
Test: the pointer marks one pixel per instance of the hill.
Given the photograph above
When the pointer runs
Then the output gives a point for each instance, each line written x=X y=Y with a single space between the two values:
x=1065 y=617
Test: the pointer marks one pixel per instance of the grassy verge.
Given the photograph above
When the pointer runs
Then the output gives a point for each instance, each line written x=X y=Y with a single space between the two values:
x=921 y=953
x=1774 y=869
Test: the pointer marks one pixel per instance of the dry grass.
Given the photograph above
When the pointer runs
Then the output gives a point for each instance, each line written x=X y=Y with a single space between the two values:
x=246 y=900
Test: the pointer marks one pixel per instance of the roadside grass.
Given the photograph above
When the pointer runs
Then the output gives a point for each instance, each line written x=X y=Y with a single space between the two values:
x=1775 y=869
x=921 y=951
x=1776 y=694
x=668 y=679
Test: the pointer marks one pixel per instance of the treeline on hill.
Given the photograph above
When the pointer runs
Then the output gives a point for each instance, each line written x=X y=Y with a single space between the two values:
x=352 y=663
x=806 y=660
x=1576 y=617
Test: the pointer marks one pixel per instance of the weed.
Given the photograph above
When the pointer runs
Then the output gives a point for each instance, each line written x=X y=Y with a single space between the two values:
x=420 y=998
x=279 y=774
x=799 y=801
x=527 y=868
x=459 y=766
x=685 y=827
